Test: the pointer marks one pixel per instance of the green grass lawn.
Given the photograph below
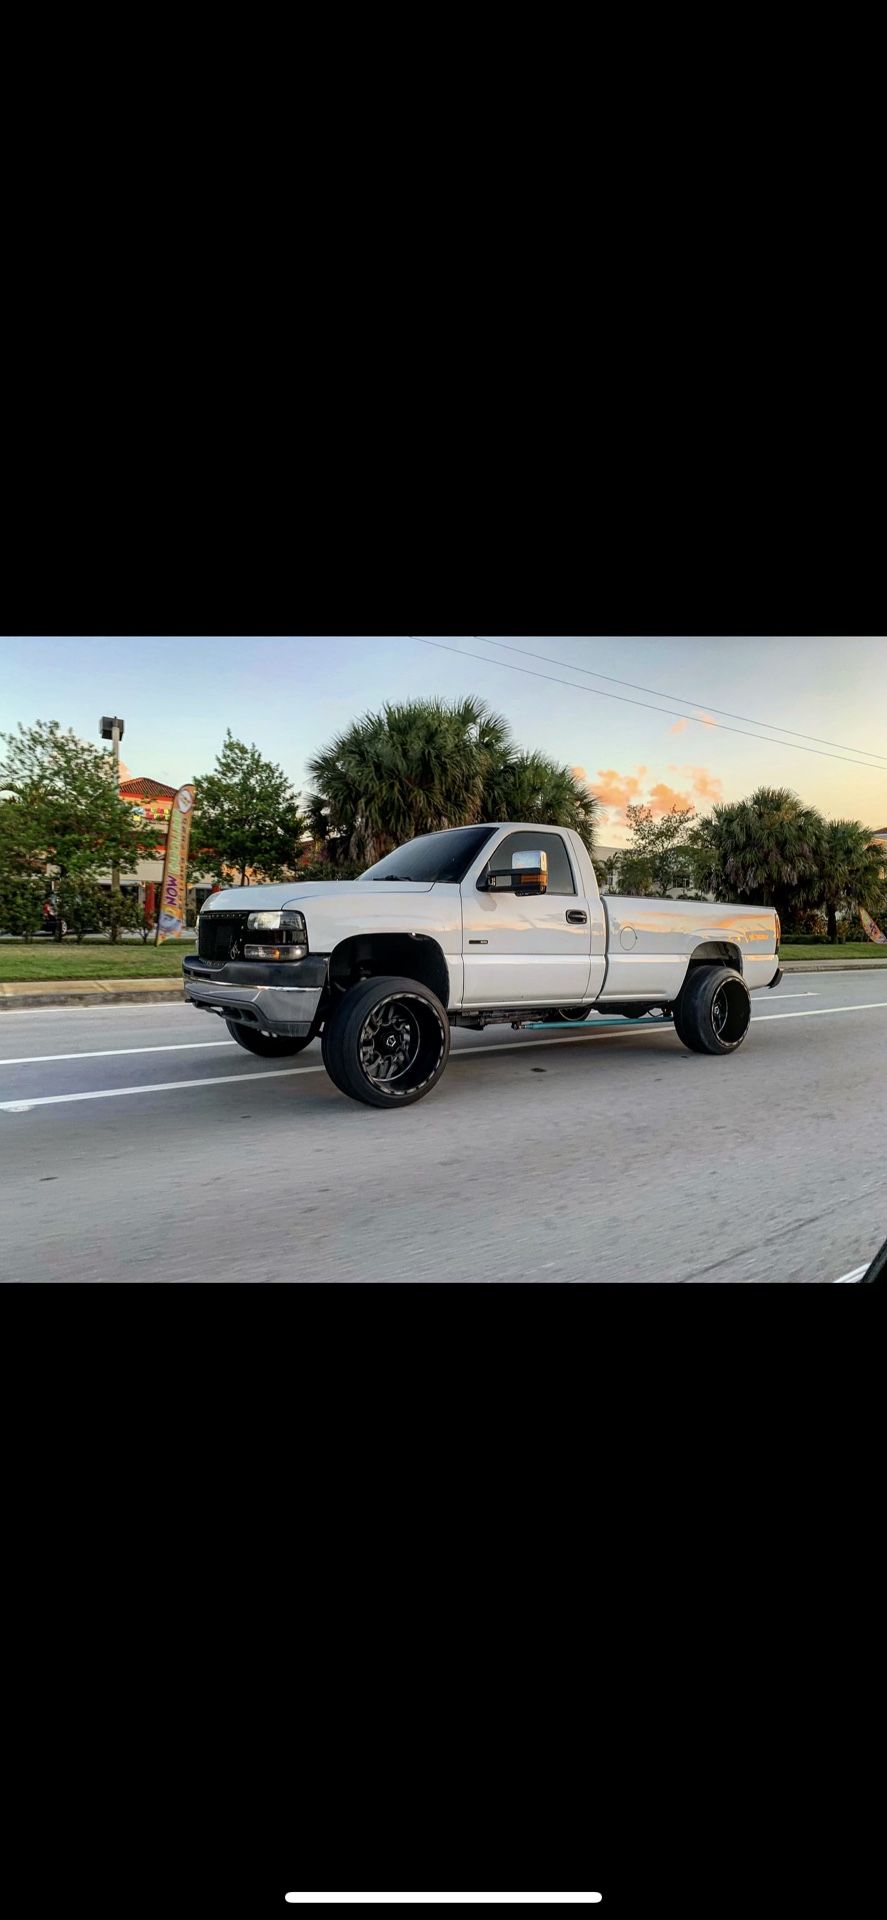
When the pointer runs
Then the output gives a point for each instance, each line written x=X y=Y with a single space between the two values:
x=94 y=960
x=849 y=950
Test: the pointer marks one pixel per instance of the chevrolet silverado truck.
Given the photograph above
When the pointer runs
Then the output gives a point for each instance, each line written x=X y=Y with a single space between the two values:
x=460 y=929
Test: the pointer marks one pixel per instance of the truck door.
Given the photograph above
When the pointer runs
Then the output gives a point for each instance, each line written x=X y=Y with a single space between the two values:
x=530 y=949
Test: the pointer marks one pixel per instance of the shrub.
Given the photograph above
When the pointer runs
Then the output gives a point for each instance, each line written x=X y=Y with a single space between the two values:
x=81 y=904
x=21 y=905
x=123 y=913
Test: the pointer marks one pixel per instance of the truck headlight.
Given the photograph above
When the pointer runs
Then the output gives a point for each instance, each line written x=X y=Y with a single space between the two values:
x=292 y=935
x=278 y=919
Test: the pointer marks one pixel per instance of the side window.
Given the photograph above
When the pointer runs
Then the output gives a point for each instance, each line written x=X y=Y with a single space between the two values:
x=560 y=873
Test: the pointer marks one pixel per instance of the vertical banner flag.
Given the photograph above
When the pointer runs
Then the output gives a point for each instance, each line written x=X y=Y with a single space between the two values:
x=173 y=890
x=873 y=931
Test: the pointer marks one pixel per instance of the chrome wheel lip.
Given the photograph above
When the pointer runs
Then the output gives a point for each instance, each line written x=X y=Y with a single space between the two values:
x=387 y=1087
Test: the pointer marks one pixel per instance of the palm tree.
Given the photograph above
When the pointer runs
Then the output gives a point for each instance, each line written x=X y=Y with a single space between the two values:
x=529 y=786
x=424 y=765
x=411 y=769
x=767 y=849
x=852 y=871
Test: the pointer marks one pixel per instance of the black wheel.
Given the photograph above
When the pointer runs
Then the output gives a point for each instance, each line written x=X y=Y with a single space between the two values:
x=388 y=1043
x=713 y=1011
x=269 y=1046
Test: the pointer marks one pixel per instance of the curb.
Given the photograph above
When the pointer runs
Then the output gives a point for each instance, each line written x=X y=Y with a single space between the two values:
x=88 y=993
x=832 y=966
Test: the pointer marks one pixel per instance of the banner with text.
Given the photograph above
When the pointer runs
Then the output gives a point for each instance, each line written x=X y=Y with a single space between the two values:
x=872 y=929
x=174 y=886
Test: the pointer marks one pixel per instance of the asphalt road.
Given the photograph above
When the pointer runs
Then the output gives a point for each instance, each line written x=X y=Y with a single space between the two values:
x=609 y=1155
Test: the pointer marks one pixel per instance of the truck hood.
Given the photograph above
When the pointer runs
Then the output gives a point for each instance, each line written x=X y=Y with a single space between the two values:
x=291 y=894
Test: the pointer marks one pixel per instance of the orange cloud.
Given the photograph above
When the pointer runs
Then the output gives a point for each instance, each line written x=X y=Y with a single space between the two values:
x=705 y=785
x=706 y=719
x=663 y=798
x=680 y=726
x=617 y=789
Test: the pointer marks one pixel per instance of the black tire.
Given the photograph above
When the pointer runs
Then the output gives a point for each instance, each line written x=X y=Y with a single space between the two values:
x=269 y=1046
x=713 y=1011
x=388 y=1043
x=327 y=1055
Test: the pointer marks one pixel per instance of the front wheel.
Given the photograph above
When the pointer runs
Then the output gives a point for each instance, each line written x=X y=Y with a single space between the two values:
x=713 y=1011
x=387 y=1043
x=269 y=1046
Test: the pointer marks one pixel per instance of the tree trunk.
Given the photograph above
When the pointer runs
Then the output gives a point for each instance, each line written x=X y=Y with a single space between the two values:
x=832 y=923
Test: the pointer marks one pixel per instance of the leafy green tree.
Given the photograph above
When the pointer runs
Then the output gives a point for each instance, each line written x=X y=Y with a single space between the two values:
x=246 y=817
x=659 y=851
x=851 y=873
x=767 y=849
x=425 y=765
x=61 y=809
x=634 y=873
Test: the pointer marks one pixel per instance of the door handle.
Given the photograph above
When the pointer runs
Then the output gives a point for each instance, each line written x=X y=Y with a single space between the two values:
x=576 y=918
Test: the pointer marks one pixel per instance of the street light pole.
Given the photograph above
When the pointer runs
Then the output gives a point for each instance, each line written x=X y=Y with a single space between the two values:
x=111 y=728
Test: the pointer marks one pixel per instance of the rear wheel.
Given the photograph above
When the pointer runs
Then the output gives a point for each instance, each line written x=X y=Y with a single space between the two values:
x=388 y=1043
x=713 y=1011
x=269 y=1046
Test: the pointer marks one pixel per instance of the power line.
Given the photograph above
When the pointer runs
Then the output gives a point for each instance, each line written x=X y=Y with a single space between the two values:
x=624 y=699
x=775 y=725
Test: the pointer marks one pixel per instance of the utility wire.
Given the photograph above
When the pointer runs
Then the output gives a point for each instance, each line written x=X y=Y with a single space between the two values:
x=775 y=725
x=625 y=700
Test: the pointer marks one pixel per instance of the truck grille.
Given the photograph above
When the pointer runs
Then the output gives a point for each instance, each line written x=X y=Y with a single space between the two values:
x=217 y=933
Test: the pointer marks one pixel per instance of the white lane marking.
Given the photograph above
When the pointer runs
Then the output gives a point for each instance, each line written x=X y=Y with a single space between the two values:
x=790 y=996
x=112 y=1053
x=843 y=1278
x=462 y=1053
x=818 y=1013
x=284 y=1073
x=157 y=1086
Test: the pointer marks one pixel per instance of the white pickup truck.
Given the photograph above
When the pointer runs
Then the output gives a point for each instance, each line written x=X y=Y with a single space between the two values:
x=461 y=928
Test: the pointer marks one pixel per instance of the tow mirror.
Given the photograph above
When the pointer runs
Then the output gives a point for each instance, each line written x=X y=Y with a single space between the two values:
x=528 y=873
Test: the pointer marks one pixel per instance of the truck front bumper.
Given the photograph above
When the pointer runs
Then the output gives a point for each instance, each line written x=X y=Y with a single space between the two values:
x=279 y=999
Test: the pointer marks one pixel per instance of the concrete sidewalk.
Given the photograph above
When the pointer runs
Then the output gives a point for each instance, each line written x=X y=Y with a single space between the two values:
x=95 y=993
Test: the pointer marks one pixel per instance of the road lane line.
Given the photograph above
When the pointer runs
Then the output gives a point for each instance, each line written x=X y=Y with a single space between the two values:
x=818 y=1013
x=113 y=1053
x=629 y=1032
x=157 y=1086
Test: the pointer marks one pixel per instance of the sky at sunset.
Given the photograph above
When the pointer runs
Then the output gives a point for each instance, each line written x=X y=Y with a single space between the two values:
x=290 y=696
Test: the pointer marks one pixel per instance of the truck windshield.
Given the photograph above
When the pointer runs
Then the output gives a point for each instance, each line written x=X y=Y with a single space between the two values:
x=435 y=856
